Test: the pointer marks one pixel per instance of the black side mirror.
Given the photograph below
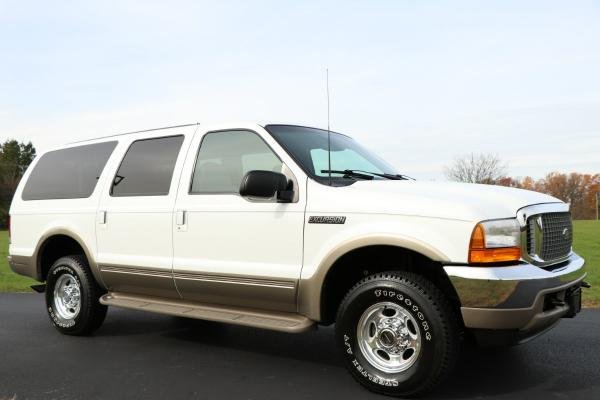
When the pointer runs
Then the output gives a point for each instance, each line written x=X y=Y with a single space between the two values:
x=265 y=184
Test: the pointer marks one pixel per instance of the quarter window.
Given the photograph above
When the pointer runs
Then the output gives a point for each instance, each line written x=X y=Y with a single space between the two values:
x=147 y=168
x=69 y=173
x=225 y=157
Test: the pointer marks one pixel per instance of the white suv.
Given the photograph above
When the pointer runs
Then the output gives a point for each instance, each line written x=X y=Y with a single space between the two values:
x=287 y=227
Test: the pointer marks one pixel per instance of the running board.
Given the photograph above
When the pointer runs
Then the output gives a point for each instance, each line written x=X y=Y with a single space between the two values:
x=274 y=320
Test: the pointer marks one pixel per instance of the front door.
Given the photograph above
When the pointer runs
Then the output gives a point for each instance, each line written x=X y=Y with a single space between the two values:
x=229 y=249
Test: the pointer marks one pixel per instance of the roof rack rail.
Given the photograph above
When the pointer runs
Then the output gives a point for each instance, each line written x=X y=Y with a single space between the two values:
x=141 y=131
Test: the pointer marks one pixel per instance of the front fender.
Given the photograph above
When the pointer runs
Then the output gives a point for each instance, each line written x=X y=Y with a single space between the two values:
x=439 y=240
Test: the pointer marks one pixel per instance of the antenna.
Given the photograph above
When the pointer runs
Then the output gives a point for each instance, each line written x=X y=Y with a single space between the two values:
x=328 y=130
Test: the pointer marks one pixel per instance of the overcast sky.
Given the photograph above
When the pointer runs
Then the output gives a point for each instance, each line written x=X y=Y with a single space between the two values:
x=419 y=82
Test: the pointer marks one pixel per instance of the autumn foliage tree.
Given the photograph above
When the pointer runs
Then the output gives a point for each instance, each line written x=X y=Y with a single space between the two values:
x=579 y=190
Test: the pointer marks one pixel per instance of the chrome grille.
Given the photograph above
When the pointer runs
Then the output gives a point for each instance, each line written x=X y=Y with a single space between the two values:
x=531 y=236
x=549 y=236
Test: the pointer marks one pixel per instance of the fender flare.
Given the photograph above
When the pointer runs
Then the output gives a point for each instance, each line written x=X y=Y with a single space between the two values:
x=69 y=233
x=310 y=289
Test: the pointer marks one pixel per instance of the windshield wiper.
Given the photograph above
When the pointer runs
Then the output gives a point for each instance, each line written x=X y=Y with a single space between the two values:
x=357 y=173
x=348 y=172
x=396 y=177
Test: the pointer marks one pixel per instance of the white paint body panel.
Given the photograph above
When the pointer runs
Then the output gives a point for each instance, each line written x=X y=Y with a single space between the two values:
x=229 y=234
x=137 y=231
x=32 y=220
x=439 y=214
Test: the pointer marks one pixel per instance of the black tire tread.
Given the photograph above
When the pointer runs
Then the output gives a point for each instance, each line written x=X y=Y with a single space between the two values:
x=452 y=331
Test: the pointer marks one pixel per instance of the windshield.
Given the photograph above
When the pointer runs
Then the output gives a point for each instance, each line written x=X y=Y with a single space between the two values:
x=308 y=147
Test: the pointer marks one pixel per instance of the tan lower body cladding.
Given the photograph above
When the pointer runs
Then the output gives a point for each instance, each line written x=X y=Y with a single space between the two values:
x=253 y=292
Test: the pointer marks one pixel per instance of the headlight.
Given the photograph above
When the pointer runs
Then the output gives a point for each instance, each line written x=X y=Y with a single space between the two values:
x=495 y=241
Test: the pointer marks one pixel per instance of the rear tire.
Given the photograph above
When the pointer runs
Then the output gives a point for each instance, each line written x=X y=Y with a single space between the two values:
x=398 y=334
x=72 y=297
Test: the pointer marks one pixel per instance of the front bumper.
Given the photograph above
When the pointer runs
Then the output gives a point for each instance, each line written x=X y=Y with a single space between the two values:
x=522 y=299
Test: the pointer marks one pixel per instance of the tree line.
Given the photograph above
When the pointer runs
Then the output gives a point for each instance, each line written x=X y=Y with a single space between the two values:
x=15 y=157
x=579 y=190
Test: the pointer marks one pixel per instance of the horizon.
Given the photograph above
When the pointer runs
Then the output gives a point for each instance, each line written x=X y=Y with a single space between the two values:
x=444 y=178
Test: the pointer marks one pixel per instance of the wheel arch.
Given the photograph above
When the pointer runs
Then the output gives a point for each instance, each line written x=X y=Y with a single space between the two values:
x=70 y=243
x=318 y=298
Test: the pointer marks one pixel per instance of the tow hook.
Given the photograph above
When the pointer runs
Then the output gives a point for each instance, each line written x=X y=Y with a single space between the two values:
x=585 y=285
x=39 y=288
x=573 y=300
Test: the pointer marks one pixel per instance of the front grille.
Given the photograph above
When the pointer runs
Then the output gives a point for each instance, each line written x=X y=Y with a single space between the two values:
x=549 y=236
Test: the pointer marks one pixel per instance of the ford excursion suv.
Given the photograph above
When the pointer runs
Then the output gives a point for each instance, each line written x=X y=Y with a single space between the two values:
x=287 y=227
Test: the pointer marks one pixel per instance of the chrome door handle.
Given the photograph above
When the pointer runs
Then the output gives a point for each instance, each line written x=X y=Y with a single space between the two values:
x=180 y=217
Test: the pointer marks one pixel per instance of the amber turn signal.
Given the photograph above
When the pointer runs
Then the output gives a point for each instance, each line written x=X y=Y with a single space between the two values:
x=480 y=254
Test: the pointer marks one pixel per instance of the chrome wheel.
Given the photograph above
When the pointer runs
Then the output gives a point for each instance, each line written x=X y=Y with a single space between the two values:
x=388 y=336
x=67 y=297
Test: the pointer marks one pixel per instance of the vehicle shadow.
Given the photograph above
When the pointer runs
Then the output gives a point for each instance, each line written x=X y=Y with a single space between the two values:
x=314 y=346
x=546 y=366
x=483 y=372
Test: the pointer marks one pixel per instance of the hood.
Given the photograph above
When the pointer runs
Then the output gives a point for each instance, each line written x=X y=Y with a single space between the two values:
x=451 y=200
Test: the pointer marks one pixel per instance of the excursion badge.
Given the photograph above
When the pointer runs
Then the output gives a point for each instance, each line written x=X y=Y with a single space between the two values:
x=326 y=219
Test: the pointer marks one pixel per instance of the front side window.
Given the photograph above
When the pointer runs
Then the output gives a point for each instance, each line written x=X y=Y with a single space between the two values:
x=225 y=157
x=309 y=147
x=69 y=173
x=147 y=168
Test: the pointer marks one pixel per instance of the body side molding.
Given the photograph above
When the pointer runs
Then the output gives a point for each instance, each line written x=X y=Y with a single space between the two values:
x=228 y=279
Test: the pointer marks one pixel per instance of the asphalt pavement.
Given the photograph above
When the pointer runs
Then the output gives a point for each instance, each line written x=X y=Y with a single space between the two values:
x=137 y=355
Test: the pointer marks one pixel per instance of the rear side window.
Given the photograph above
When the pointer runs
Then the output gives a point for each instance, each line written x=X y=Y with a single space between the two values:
x=147 y=168
x=69 y=173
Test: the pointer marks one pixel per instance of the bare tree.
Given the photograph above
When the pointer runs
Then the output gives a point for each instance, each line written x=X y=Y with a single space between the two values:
x=477 y=168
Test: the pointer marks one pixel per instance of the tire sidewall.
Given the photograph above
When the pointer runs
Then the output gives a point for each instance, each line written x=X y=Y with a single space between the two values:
x=62 y=267
x=417 y=305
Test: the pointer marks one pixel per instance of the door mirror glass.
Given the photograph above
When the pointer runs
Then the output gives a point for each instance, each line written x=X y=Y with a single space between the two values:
x=266 y=184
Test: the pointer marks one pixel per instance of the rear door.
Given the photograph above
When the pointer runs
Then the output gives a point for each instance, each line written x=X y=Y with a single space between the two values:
x=135 y=218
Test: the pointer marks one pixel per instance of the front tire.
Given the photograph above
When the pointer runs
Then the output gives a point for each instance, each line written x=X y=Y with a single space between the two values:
x=72 y=297
x=398 y=334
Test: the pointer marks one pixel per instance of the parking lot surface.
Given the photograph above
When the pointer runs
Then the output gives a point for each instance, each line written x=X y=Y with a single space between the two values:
x=137 y=355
